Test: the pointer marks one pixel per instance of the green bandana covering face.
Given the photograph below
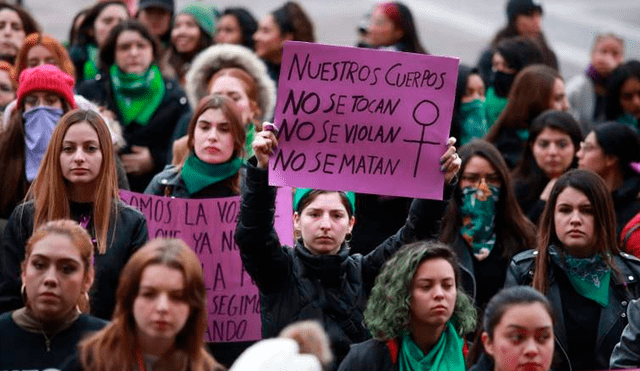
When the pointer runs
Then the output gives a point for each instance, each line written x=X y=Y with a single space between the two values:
x=494 y=105
x=137 y=96
x=478 y=218
x=590 y=276
x=473 y=123
x=90 y=68
x=446 y=355
x=198 y=174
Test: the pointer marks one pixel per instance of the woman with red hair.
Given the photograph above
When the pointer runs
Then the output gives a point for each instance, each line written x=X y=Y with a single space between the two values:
x=391 y=26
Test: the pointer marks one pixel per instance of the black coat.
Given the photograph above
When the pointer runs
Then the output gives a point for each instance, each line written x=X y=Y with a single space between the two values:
x=166 y=124
x=624 y=287
x=129 y=235
x=296 y=285
x=371 y=355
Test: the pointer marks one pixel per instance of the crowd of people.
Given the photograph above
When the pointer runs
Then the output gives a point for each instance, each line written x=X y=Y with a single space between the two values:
x=529 y=262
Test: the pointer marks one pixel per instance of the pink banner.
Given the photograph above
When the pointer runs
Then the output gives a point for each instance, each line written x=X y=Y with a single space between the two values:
x=364 y=120
x=207 y=226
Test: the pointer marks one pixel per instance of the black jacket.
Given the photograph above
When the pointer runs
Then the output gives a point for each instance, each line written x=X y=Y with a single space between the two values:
x=371 y=355
x=129 y=235
x=613 y=318
x=170 y=183
x=168 y=123
x=296 y=285
x=626 y=354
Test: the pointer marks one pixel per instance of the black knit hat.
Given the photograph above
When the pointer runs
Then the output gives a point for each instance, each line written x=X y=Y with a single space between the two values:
x=517 y=7
x=168 y=5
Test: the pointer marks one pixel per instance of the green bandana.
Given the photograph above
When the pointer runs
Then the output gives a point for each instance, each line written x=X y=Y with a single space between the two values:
x=90 y=68
x=478 y=218
x=250 y=131
x=444 y=356
x=198 y=174
x=589 y=276
x=628 y=119
x=494 y=105
x=137 y=96
x=473 y=123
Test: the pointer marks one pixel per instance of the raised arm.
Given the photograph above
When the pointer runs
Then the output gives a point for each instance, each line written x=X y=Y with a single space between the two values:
x=262 y=255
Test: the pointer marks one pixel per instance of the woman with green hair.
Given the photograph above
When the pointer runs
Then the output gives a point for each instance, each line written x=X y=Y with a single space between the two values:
x=417 y=314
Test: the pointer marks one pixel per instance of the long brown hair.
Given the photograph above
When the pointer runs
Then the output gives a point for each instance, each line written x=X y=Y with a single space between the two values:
x=529 y=96
x=595 y=189
x=49 y=189
x=514 y=231
x=230 y=111
x=114 y=348
x=79 y=238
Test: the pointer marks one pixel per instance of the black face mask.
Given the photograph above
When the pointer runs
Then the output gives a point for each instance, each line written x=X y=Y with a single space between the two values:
x=502 y=83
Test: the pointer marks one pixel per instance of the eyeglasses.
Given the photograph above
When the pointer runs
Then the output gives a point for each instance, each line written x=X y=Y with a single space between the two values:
x=588 y=147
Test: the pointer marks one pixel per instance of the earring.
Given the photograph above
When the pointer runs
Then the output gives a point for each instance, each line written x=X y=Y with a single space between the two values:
x=23 y=293
x=348 y=237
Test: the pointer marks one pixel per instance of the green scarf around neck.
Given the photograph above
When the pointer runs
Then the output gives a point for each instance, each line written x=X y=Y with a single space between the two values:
x=137 y=96
x=250 y=131
x=198 y=174
x=446 y=354
x=494 y=105
x=589 y=276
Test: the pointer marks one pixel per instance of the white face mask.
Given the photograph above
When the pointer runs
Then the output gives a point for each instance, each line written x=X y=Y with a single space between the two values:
x=38 y=127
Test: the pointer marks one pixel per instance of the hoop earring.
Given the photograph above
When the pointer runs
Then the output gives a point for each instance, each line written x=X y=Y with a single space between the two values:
x=23 y=293
x=348 y=237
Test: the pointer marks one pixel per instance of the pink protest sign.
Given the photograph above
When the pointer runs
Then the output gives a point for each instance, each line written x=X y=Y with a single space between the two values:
x=207 y=226
x=365 y=120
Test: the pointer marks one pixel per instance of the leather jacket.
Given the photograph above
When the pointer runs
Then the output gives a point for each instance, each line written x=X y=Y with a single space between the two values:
x=624 y=287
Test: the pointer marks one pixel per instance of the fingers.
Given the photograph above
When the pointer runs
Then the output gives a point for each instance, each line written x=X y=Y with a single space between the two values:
x=264 y=143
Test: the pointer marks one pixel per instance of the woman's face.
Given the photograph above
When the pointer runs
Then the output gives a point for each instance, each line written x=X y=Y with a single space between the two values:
x=477 y=171
x=134 y=53
x=553 y=151
x=324 y=223
x=7 y=94
x=529 y=25
x=228 y=30
x=268 y=40
x=630 y=97
x=498 y=63
x=433 y=294
x=558 y=99
x=382 y=31
x=607 y=55
x=233 y=88
x=54 y=277
x=522 y=340
x=474 y=90
x=185 y=34
x=160 y=308
x=592 y=157
x=108 y=18
x=156 y=19
x=574 y=222
x=40 y=98
x=81 y=155
x=12 y=32
x=39 y=55
x=212 y=139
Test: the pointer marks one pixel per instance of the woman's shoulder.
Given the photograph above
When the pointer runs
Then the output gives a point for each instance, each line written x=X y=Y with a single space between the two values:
x=171 y=176
x=173 y=91
x=90 y=323
x=127 y=212
x=369 y=355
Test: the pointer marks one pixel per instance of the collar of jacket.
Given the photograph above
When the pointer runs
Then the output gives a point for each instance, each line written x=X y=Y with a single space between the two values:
x=329 y=269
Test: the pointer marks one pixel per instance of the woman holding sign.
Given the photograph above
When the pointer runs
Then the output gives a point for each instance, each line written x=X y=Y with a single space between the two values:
x=317 y=278
x=76 y=180
x=160 y=319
